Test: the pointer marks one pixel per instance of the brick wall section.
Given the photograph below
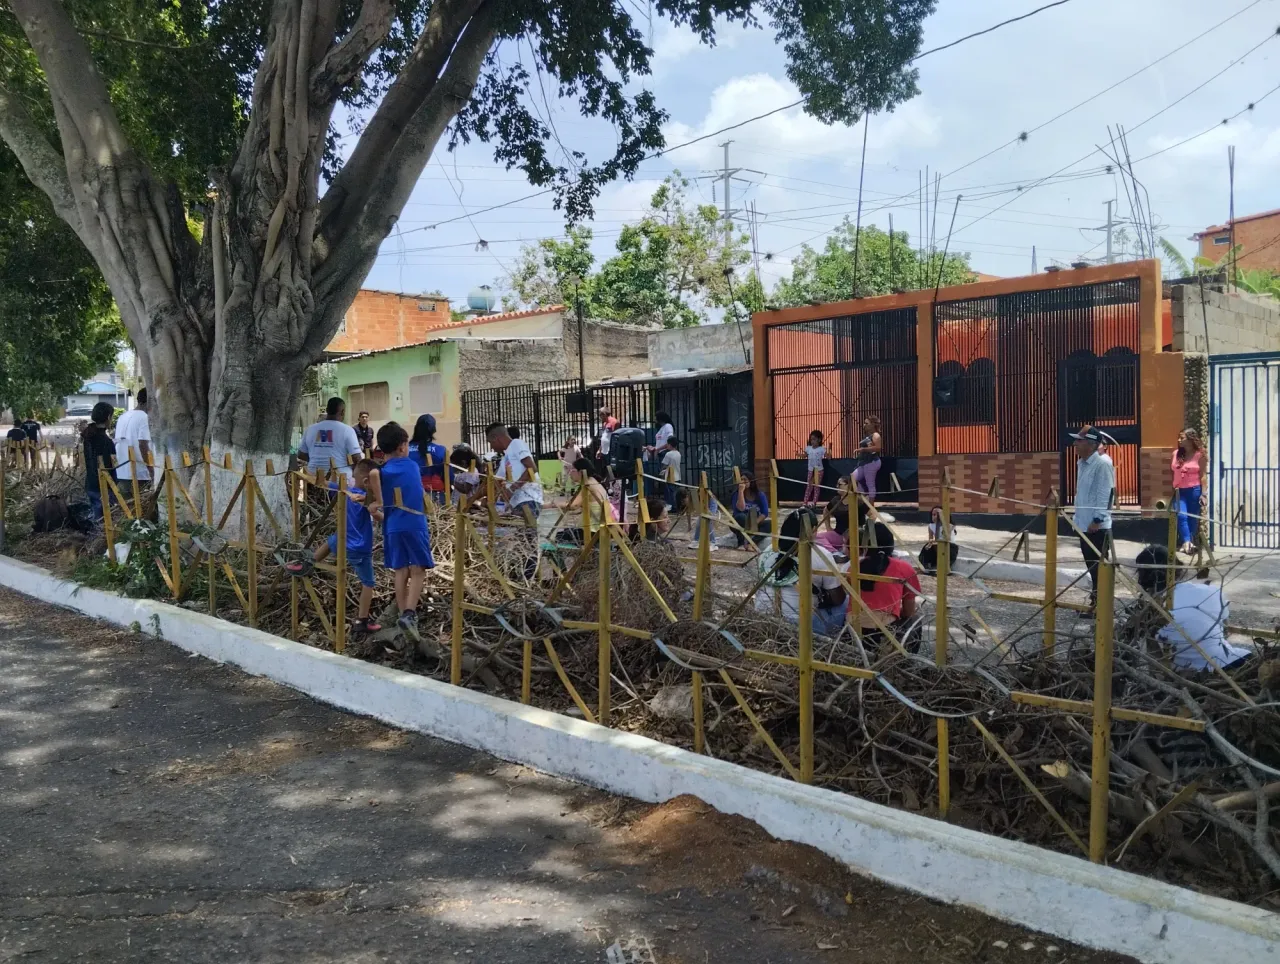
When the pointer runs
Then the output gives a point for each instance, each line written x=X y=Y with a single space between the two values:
x=1024 y=476
x=384 y=319
x=1257 y=238
x=1237 y=322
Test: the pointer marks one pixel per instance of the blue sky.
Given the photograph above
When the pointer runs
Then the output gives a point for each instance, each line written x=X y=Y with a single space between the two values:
x=975 y=98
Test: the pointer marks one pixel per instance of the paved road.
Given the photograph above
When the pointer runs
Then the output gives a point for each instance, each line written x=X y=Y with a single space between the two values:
x=157 y=807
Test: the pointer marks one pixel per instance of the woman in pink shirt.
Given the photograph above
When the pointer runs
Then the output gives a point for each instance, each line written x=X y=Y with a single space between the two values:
x=1190 y=482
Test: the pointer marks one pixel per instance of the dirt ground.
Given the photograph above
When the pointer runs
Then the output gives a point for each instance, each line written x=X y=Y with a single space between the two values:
x=220 y=817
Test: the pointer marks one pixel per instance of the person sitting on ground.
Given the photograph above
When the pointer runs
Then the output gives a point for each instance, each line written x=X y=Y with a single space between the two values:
x=464 y=475
x=406 y=543
x=99 y=451
x=659 y=518
x=929 y=554
x=1197 y=636
x=359 y=545
x=745 y=500
x=587 y=475
x=893 y=601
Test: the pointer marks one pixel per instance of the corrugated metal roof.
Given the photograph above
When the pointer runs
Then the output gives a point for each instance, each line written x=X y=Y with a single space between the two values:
x=101 y=388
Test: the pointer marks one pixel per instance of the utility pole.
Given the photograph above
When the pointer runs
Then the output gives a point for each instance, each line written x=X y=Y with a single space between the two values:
x=1034 y=268
x=1107 y=228
x=726 y=174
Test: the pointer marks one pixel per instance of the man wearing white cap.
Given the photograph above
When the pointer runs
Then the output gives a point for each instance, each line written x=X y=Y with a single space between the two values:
x=1095 y=488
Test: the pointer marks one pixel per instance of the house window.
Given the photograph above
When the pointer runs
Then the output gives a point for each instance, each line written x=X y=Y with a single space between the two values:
x=1222 y=239
x=426 y=306
x=712 y=404
x=373 y=398
x=426 y=393
x=342 y=328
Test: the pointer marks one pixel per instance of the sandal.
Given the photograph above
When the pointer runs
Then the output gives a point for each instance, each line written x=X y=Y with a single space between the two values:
x=365 y=626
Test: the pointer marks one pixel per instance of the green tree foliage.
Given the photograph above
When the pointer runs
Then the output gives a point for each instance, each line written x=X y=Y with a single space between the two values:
x=57 y=322
x=827 y=274
x=670 y=267
x=171 y=117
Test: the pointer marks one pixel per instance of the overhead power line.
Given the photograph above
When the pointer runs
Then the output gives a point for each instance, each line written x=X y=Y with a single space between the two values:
x=751 y=120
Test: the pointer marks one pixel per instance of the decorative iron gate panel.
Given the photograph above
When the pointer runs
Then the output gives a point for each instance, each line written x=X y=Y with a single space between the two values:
x=830 y=374
x=1244 y=449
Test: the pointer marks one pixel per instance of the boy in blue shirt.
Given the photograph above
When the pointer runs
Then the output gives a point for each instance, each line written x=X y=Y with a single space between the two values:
x=406 y=544
x=360 y=506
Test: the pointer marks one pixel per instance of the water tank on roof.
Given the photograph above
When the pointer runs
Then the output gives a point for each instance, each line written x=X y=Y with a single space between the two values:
x=482 y=299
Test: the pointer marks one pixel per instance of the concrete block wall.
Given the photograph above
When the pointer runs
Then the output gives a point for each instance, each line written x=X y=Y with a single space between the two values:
x=385 y=319
x=1236 y=323
x=610 y=350
x=1027 y=476
x=703 y=346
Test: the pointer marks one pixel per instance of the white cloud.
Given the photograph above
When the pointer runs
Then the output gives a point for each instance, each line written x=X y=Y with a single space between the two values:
x=673 y=45
x=792 y=134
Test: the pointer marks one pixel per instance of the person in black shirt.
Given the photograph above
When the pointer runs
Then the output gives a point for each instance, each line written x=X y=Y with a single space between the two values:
x=31 y=427
x=364 y=433
x=98 y=450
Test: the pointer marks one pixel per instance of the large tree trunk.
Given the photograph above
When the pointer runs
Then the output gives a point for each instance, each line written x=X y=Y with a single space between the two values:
x=225 y=326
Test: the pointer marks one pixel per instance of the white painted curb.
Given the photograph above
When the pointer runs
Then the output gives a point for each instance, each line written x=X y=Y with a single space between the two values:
x=1050 y=892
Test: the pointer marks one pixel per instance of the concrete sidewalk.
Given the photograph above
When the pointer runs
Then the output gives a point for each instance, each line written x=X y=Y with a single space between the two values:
x=156 y=807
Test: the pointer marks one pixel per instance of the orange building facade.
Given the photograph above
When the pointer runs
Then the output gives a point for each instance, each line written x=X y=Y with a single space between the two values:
x=385 y=319
x=983 y=380
x=1256 y=235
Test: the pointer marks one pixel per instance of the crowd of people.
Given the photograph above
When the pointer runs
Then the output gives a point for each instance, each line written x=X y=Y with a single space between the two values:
x=391 y=473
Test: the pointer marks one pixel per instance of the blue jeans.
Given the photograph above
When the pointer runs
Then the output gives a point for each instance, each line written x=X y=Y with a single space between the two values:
x=743 y=518
x=95 y=503
x=1188 y=504
x=828 y=622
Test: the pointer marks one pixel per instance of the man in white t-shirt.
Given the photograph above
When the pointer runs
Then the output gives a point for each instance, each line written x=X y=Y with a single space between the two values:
x=517 y=471
x=327 y=444
x=133 y=441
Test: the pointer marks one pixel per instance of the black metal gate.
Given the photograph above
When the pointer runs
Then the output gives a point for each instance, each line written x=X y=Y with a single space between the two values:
x=1102 y=392
x=1244 y=446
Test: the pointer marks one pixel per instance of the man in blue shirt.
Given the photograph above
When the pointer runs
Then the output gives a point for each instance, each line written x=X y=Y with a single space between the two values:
x=1095 y=493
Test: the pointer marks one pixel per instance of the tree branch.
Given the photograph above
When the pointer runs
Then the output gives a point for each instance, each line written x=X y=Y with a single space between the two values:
x=336 y=281
x=343 y=202
x=341 y=64
x=43 y=164
x=69 y=67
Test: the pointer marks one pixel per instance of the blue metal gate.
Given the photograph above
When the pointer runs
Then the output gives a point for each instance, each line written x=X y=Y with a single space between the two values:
x=1244 y=445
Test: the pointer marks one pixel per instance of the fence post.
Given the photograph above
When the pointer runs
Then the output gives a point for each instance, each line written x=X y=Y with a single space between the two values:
x=775 y=513
x=699 y=734
x=171 y=510
x=606 y=616
x=295 y=629
x=1051 y=575
x=134 y=461
x=1104 y=621
x=641 y=511
x=251 y=541
x=3 y=466
x=208 y=518
x=1173 y=550
x=459 y=588
x=704 y=549
x=108 y=527
x=804 y=556
x=490 y=491
x=340 y=560
x=942 y=637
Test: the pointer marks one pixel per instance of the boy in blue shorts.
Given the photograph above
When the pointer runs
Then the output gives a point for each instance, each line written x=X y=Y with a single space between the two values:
x=406 y=544
x=360 y=505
